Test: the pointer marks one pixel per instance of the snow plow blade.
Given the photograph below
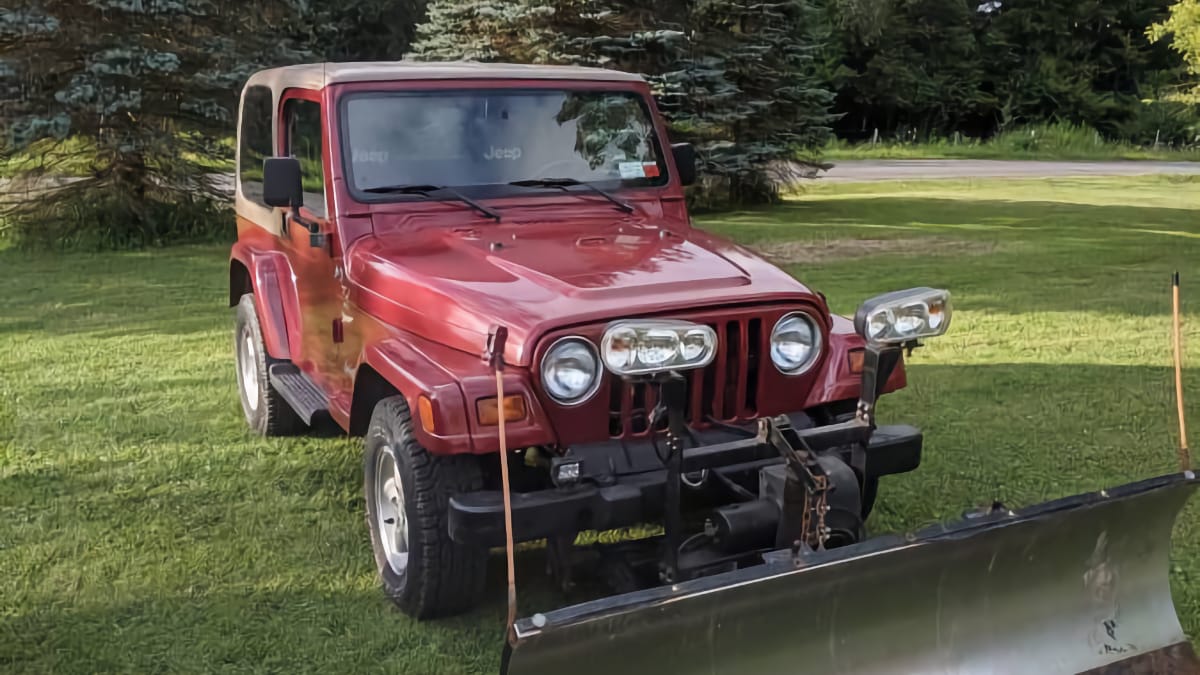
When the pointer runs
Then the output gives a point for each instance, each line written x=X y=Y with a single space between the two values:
x=1073 y=586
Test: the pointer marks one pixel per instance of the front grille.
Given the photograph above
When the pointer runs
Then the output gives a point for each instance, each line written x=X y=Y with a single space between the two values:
x=726 y=390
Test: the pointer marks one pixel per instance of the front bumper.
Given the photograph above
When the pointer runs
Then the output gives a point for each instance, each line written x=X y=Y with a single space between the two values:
x=623 y=484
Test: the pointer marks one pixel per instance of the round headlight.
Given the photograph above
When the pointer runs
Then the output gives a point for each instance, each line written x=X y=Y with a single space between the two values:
x=570 y=371
x=795 y=343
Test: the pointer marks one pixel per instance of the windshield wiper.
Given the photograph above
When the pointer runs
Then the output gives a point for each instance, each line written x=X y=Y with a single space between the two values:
x=427 y=190
x=564 y=183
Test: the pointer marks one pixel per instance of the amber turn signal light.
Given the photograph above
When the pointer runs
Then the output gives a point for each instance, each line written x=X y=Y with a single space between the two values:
x=425 y=412
x=855 y=359
x=488 y=412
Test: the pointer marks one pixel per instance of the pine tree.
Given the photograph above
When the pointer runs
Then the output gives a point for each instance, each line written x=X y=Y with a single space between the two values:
x=767 y=103
x=908 y=65
x=478 y=30
x=364 y=30
x=1081 y=62
x=124 y=109
x=736 y=78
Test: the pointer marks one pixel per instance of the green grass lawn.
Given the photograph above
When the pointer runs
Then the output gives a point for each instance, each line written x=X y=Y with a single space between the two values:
x=143 y=529
x=1061 y=141
x=842 y=150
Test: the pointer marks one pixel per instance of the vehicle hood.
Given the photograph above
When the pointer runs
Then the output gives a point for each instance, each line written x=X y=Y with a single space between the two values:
x=454 y=284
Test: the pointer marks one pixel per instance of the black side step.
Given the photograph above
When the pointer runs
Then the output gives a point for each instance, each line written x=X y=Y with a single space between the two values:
x=306 y=398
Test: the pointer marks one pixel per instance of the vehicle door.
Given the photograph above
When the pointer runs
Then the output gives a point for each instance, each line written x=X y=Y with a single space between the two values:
x=315 y=262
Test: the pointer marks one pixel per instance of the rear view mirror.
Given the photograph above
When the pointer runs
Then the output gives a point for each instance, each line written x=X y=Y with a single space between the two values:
x=281 y=182
x=685 y=162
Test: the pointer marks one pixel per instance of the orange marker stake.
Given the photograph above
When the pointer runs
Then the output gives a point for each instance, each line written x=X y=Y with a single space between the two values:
x=495 y=358
x=1185 y=458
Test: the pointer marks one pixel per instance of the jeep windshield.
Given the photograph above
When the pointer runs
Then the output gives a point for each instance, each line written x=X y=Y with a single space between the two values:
x=498 y=138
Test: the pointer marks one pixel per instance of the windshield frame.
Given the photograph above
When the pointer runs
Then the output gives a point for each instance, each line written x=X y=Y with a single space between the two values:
x=498 y=190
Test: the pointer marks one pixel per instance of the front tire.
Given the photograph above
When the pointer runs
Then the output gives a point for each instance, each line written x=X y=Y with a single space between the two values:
x=408 y=494
x=265 y=410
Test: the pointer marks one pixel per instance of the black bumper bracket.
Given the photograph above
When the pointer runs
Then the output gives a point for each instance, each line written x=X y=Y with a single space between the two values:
x=634 y=498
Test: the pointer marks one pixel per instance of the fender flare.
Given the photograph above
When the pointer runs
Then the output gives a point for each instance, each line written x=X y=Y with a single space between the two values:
x=415 y=375
x=452 y=382
x=269 y=276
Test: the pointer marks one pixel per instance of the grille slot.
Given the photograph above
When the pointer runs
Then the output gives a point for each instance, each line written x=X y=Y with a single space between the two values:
x=754 y=340
x=735 y=374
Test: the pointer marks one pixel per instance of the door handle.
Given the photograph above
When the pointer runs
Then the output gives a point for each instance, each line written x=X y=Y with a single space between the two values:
x=316 y=238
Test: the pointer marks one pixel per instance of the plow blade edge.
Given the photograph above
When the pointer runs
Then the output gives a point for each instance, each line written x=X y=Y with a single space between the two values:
x=1076 y=585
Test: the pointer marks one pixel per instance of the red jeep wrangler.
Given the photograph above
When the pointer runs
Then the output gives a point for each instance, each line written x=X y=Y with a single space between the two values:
x=394 y=216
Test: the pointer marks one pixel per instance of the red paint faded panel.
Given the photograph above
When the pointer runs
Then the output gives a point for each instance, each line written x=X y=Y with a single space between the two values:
x=452 y=284
x=535 y=429
x=454 y=381
x=836 y=382
x=414 y=374
x=274 y=293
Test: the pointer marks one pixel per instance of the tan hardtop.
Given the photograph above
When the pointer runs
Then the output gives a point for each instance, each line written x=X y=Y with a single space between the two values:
x=319 y=75
x=316 y=76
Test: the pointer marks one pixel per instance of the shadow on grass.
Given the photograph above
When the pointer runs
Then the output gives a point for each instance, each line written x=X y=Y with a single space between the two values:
x=922 y=214
x=249 y=630
x=227 y=626
x=9 y=326
x=162 y=292
x=1083 y=257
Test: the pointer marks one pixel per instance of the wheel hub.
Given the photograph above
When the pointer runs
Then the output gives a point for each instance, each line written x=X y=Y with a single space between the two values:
x=248 y=368
x=392 y=521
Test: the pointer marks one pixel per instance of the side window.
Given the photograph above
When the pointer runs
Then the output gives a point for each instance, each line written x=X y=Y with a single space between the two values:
x=255 y=141
x=304 y=143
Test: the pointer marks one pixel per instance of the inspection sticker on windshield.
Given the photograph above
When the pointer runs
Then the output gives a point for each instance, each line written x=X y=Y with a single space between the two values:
x=631 y=170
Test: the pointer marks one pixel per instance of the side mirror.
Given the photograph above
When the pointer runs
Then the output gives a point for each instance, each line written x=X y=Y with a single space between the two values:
x=282 y=187
x=281 y=182
x=685 y=162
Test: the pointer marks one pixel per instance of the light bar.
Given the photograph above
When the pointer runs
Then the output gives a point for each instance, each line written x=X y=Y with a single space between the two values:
x=904 y=316
x=645 y=347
